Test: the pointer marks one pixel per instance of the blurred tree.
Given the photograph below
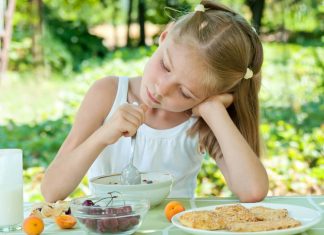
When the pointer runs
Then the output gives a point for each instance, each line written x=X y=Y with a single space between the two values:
x=7 y=9
x=129 y=21
x=37 y=50
x=256 y=7
x=141 y=21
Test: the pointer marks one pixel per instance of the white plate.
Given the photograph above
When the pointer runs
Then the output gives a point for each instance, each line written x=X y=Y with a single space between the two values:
x=306 y=216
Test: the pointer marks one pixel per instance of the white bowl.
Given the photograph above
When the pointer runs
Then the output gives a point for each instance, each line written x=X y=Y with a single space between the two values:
x=155 y=186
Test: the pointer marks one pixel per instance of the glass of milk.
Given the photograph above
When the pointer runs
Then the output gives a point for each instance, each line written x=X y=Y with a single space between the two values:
x=11 y=190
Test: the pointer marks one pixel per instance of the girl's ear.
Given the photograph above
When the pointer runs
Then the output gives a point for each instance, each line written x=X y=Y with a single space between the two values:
x=163 y=36
x=165 y=32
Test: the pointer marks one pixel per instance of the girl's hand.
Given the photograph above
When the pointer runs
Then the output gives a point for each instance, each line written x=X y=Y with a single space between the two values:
x=124 y=122
x=224 y=99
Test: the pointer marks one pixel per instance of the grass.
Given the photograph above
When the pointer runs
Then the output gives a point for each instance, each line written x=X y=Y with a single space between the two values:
x=25 y=100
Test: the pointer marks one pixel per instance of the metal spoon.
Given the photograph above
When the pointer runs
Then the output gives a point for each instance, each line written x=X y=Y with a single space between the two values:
x=130 y=174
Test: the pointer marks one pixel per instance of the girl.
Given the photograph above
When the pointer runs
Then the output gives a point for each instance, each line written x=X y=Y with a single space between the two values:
x=198 y=94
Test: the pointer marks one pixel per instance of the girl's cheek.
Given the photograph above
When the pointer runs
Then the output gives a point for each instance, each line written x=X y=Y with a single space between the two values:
x=148 y=68
x=151 y=73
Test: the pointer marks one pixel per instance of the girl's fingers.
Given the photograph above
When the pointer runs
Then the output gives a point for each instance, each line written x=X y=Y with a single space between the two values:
x=131 y=117
x=135 y=119
x=140 y=111
x=144 y=107
x=129 y=129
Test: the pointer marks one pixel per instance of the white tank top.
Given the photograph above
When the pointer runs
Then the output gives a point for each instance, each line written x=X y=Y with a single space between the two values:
x=156 y=150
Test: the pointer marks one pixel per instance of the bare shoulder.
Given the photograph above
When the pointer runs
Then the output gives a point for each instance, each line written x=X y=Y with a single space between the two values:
x=101 y=95
x=109 y=84
x=105 y=87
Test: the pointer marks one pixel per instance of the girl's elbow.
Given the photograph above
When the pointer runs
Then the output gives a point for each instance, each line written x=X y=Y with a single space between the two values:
x=47 y=193
x=252 y=198
x=255 y=195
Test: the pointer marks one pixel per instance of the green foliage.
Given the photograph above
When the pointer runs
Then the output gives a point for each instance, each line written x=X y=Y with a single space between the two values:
x=66 y=39
x=294 y=15
x=39 y=141
x=67 y=42
x=57 y=54
x=75 y=42
x=90 y=12
x=294 y=156
x=159 y=13
x=20 y=58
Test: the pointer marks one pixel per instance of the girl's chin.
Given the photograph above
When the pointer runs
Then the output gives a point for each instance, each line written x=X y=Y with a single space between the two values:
x=153 y=106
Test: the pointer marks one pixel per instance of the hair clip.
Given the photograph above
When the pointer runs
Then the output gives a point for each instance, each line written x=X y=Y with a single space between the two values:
x=248 y=74
x=200 y=7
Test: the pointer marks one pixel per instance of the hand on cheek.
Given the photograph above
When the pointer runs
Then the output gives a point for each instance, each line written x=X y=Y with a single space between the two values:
x=224 y=99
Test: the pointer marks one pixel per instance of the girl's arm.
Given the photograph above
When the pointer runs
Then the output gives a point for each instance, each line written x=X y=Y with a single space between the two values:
x=88 y=137
x=241 y=167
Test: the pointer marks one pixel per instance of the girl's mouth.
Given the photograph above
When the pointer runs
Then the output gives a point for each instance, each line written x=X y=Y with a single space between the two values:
x=152 y=97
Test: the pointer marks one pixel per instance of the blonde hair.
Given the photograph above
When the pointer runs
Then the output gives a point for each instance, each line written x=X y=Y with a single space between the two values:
x=228 y=46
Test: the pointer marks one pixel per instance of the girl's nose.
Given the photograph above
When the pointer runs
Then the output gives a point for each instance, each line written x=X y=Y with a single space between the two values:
x=164 y=87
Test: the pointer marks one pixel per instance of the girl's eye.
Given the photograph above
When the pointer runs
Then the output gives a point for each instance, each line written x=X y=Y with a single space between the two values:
x=184 y=95
x=164 y=67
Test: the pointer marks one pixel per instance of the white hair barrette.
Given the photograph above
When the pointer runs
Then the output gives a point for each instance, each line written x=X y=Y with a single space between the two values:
x=200 y=7
x=248 y=74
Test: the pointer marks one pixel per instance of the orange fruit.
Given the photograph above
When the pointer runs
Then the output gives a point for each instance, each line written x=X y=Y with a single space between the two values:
x=173 y=208
x=33 y=225
x=65 y=221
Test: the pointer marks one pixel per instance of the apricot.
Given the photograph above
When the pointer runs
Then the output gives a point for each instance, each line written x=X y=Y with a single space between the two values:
x=173 y=208
x=65 y=221
x=33 y=225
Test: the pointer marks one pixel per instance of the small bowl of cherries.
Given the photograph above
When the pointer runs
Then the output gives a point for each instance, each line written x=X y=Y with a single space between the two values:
x=109 y=213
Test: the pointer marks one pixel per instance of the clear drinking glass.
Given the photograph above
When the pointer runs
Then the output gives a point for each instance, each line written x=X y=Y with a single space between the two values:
x=11 y=190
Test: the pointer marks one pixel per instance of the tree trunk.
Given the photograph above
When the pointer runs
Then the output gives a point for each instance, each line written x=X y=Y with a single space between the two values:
x=141 y=21
x=256 y=7
x=37 y=51
x=114 y=17
x=129 y=21
x=5 y=38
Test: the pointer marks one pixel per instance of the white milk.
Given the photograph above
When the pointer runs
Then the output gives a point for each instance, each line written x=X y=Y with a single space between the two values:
x=11 y=204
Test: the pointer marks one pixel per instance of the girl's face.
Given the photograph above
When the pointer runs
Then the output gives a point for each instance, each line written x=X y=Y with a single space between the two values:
x=171 y=79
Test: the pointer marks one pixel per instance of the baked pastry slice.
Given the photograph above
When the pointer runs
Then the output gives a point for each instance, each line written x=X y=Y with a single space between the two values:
x=264 y=213
x=207 y=220
x=235 y=213
x=263 y=225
